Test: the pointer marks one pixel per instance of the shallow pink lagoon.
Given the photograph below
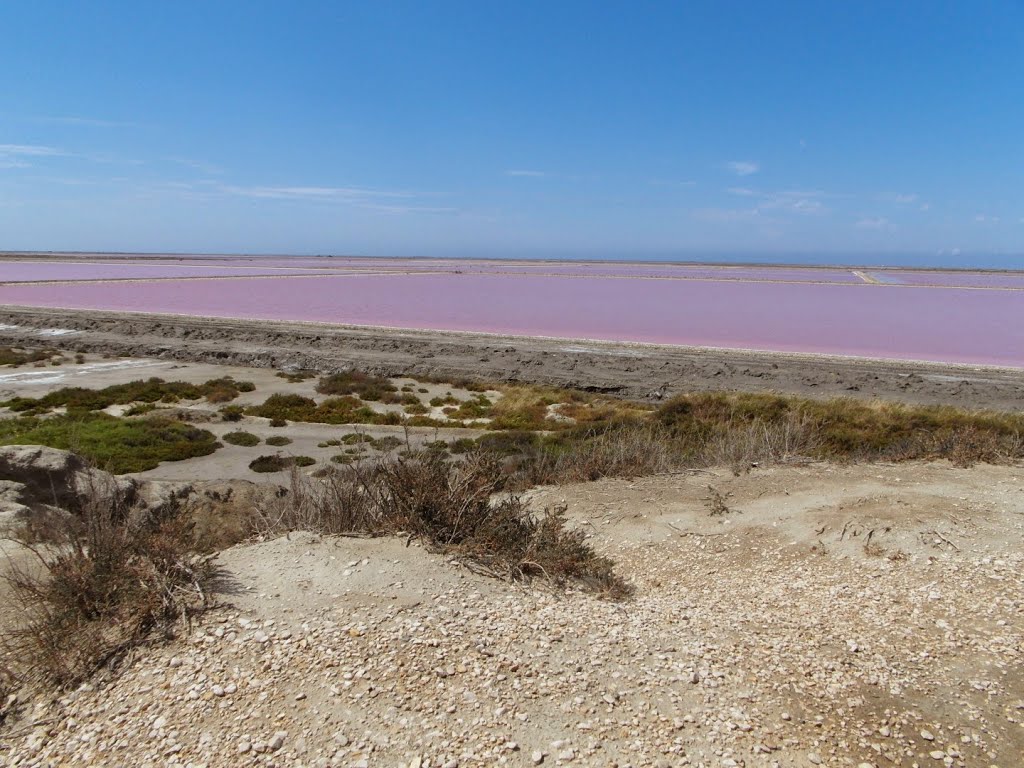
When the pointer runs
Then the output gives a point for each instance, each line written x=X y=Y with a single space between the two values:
x=36 y=271
x=939 y=323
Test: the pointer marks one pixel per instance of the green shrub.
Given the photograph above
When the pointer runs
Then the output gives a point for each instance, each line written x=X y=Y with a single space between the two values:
x=269 y=464
x=386 y=443
x=278 y=440
x=463 y=445
x=117 y=445
x=15 y=357
x=356 y=383
x=294 y=377
x=232 y=413
x=333 y=410
x=448 y=399
x=151 y=390
x=246 y=439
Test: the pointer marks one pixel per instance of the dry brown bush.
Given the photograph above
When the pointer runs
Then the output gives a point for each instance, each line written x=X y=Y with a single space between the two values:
x=102 y=581
x=455 y=508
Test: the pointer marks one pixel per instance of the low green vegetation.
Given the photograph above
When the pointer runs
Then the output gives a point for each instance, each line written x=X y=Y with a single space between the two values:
x=247 y=439
x=113 y=444
x=232 y=413
x=278 y=463
x=362 y=385
x=152 y=390
x=743 y=430
x=386 y=443
x=10 y=356
x=295 y=377
x=333 y=410
x=278 y=440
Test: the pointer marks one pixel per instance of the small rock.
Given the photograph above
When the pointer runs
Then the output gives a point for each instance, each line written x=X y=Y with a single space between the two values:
x=277 y=740
x=244 y=746
x=814 y=758
x=537 y=757
x=937 y=754
x=927 y=736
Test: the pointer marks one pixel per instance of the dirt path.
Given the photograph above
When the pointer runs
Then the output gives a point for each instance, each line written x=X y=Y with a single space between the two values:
x=838 y=616
x=630 y=370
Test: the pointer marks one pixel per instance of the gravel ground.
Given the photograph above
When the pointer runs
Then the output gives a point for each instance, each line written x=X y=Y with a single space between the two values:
x=856 y=616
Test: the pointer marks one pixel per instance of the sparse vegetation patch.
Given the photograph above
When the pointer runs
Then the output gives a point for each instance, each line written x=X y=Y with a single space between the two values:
x=116 y=445
x=247 y=439
x=152 y=390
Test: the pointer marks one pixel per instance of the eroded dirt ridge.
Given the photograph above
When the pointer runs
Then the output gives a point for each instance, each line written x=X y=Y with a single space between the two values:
x=628 y=370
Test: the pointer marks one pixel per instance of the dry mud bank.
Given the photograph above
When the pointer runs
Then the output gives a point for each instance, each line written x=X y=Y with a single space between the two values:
x=628 y=370
x=837 y=616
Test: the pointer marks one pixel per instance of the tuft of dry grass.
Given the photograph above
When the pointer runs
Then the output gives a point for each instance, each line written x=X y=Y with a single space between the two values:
x=455 y=508
x=102 y=582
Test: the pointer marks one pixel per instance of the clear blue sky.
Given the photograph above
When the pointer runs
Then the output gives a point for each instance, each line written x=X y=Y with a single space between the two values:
x=533 y=128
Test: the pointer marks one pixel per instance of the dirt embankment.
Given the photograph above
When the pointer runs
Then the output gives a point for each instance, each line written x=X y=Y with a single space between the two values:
x=833 y=616
x=629 y=370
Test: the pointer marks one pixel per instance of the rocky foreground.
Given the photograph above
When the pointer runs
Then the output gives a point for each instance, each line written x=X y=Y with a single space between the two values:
x=862 y=616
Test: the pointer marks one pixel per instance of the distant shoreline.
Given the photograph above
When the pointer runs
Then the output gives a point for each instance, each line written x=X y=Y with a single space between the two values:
x=668 y=262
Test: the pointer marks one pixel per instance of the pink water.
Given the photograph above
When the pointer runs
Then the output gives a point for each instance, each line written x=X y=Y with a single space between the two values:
x=948 y=279
x=31 y=271
x=928 y=323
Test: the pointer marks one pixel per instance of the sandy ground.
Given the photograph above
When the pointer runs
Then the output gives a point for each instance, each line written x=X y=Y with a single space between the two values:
x=842 y=616
x=628 y=370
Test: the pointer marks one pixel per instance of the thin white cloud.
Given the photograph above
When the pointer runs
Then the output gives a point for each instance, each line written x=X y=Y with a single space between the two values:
x=874 y=223
x=669 y=183
x=29 y=150
x=788 y=200
x=198 y=165
x=350 y=194
x=983 y=218
x=743 y=167
x=86 y=121
x=905 y=199
x=726 y=214
x=410 y=209
x=532 y=174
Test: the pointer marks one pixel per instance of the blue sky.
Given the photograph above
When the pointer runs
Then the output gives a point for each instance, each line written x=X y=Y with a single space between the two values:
x=581 y=129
